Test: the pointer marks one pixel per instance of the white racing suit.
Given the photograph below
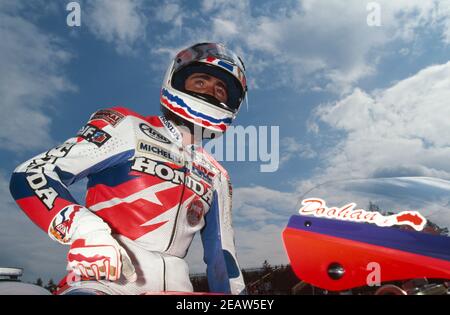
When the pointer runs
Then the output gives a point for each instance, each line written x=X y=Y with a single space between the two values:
x=152 y=193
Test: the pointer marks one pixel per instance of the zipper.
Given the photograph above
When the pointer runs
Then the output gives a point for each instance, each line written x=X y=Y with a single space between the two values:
x=177 y=137
x=164 y=273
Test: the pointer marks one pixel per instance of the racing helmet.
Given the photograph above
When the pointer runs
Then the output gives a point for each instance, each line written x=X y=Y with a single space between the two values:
x=201 y=109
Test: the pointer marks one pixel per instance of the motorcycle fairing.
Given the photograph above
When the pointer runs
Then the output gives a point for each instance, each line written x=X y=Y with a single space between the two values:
x=313 y=244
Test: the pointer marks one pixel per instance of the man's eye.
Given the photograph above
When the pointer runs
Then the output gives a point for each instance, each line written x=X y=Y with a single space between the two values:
x=221 y=91
x=200 y=83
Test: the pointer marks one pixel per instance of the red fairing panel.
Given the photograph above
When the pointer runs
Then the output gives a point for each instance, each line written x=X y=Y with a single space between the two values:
x=311 y=253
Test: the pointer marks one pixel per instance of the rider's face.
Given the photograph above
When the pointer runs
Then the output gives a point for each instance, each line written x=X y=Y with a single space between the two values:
x=207 y=84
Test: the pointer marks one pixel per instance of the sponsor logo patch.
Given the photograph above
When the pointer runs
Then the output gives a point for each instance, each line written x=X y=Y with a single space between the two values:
x=172 y=129
x=158 y=151
x=36 y=178
x=195 y=212
x=202 y=172
x=38 y=183
x=61 y=225
x=152 y=133
x=94 y=135
x=176 y=176
x=110 y=116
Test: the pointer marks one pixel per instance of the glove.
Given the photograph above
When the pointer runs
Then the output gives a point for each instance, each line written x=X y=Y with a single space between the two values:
x=99 y=256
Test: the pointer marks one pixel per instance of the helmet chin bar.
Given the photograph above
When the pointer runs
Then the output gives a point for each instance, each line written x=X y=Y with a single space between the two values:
x=193 y=128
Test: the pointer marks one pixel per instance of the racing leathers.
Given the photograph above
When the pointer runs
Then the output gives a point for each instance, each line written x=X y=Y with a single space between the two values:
x=147 y=190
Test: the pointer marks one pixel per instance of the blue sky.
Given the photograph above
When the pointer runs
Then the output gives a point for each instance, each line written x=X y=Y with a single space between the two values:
x=350 y=100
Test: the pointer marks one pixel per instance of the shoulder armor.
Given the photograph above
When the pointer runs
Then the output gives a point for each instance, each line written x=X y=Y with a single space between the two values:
x=113 y=116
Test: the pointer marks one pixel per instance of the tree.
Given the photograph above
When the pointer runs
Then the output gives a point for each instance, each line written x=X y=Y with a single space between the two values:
x=267 y=268
x=39 y=282
x=51 y=286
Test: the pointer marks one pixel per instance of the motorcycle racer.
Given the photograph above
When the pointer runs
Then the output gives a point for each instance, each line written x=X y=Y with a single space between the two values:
x=151 y=186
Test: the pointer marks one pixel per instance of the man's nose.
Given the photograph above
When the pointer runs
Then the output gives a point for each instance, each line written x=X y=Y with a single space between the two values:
x=212 y=89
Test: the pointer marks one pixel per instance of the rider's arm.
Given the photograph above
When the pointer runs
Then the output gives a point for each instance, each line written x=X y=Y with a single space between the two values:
x=224 y=274
x=39 y=185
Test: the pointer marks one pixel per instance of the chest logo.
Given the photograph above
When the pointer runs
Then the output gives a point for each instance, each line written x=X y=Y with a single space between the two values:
x=157 y=151
x=94 y=135
x=110 y=116
x=195 y=212
x=152 y=133
x=176 y=176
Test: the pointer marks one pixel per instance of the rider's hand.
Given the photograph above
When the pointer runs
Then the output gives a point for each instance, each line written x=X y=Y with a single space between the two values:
x=99 y=256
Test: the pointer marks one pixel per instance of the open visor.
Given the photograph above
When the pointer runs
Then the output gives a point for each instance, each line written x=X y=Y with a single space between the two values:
x=217 y=61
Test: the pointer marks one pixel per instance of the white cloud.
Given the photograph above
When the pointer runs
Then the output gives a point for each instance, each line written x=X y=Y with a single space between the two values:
x=401 y=130
x=259 y=196
x=259 y=217
x=318 y=45
x=170 y=13
x=120 y=22
x=291 y=148
x=30 y=77
x=224 y=28
x=265 y=243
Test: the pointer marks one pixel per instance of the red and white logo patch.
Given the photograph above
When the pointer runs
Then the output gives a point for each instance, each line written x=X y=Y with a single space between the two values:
x=60 y=228
x=195 y=212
